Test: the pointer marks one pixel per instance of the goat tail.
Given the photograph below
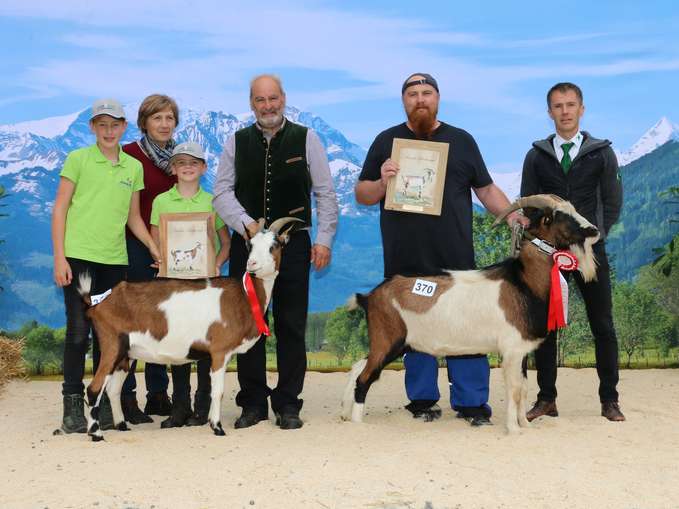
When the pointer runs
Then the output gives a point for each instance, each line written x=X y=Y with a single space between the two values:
x=85 y=287
x=357 y=300
x=348 y=397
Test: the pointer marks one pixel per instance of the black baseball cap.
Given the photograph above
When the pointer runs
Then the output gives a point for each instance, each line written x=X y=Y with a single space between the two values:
x=427 y=79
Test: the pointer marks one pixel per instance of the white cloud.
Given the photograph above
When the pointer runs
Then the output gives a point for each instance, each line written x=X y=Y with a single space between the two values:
x=235 y=40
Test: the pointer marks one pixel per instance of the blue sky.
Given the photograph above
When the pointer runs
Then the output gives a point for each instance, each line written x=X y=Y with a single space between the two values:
x=346 y=60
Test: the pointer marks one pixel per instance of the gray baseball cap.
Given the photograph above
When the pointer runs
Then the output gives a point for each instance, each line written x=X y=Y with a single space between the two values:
x=190 y=148
x=109 y=107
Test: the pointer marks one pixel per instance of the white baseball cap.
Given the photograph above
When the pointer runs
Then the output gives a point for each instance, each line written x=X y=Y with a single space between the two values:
x=109 y=107
x=190 y=148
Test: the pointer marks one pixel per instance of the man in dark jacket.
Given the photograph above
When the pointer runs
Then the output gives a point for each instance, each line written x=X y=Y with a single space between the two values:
x=583 y=170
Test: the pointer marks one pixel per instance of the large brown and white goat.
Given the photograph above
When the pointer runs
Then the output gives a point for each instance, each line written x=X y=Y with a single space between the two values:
x=172 y=321
x=501 y=308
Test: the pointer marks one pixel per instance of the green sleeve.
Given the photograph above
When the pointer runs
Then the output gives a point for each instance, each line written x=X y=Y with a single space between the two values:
x=71 y=169
x=138 y=178
x=155 y=213
x=218 y=222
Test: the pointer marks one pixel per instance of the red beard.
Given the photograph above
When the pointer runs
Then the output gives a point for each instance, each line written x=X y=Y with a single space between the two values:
x=423 y=122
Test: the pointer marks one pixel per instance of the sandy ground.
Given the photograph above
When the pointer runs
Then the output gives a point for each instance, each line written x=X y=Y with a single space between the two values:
x=389 y=461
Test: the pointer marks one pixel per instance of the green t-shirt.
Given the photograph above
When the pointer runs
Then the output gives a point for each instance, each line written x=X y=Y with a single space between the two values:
x=97 y=215
x=171 y=202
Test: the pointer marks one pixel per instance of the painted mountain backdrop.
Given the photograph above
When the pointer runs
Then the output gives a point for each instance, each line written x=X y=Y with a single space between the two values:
x=31 y=155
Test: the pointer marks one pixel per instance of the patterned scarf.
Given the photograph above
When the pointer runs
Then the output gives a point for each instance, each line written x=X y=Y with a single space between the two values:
x=159 y=156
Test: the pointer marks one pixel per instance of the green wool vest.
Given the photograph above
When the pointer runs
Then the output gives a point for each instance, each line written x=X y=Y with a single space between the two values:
x=272 y=178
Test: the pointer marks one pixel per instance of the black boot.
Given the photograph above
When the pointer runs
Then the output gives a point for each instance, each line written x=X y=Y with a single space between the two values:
x=74 y=414
x=201 y=409
x=181 y=411
x=131 y=410
x=158 y=403
x=105 y=413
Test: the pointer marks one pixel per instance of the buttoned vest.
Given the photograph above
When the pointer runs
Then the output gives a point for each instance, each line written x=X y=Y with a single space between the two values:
x=272 y=178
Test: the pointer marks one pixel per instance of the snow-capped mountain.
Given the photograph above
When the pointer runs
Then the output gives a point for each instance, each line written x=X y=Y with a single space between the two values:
x=32 y=154
x=662 y=132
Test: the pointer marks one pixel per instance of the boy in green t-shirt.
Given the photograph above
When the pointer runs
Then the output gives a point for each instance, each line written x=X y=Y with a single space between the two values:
x=188 y=164
x=98 y=195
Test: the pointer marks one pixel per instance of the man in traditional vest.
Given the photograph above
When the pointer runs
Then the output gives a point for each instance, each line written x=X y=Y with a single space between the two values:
x=270 y=170
x=576 y=166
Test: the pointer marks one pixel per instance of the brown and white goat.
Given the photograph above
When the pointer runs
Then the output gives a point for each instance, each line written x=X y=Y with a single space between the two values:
x=173 y=321
x=501 y=308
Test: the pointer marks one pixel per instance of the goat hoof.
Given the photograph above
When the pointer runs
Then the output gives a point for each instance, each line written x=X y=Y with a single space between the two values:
x=218 y=430
x=57 y=432
x=97 y=438
x=122 y=426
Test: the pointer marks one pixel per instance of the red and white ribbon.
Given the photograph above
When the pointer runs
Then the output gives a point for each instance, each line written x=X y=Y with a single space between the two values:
x=256 y=309
x=557 y=314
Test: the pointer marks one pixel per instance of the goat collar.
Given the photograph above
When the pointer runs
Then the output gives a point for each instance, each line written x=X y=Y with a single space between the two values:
x=543 y=246
x=255 y=308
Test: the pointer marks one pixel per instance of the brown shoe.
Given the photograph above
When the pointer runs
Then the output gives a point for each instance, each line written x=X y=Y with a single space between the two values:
x=541 y=408
x=611 y=411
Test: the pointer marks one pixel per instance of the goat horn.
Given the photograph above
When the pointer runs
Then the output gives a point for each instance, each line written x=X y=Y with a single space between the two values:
x=539 y=201
x=280 y=223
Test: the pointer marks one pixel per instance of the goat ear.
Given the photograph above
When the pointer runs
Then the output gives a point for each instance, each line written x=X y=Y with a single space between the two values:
x=284 y=236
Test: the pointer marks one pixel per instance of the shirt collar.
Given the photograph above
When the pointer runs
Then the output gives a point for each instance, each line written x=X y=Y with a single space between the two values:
x=99 y=157
x=176 y=196
x=576 y=140
x=267 y=134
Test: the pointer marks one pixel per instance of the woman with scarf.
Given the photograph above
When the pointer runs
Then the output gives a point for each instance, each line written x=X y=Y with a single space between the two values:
x=157 y=119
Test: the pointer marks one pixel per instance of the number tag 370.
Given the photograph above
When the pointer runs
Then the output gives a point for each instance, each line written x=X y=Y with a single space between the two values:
x=424 y=288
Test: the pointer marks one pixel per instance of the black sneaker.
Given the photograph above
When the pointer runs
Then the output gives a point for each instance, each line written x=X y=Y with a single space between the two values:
x=289 y=420
x=131 y=410
x=427 y=414
x=475 y=420
x=74 y=414
x=250 y=416
x=105 y=413
x=181 y=411
x=201 y=409
x=158 y=403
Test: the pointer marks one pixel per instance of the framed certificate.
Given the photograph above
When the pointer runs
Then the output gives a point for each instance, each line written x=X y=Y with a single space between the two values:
x=418 y=185
x=187 y=245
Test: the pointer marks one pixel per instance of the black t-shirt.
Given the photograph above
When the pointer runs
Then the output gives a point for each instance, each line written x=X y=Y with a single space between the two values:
x=421 y=244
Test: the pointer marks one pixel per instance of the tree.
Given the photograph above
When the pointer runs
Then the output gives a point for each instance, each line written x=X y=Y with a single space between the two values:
x=491 y=244
x=346 y=333
x=43 y=348
x=638 y=319
x=668 y=255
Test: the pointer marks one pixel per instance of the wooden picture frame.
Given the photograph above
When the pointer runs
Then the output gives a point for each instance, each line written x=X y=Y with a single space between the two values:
x=418 y=185
x=187 y=245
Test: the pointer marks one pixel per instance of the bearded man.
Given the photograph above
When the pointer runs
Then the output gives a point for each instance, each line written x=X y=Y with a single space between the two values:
x=422 y=245
x=270 y=170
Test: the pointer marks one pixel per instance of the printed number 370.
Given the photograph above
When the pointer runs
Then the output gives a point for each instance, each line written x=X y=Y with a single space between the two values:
x=424 y=288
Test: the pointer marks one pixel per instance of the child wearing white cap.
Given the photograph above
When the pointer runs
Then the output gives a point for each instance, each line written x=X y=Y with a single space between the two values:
x=188 y=164
x=98 y=195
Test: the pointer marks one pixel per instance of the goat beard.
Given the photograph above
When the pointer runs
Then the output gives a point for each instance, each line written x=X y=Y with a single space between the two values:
x=423 y=121
x=587 y=262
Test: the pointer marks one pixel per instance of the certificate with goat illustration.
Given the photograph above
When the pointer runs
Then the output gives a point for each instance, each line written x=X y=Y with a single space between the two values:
x=418 y=185
x=187 y=245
